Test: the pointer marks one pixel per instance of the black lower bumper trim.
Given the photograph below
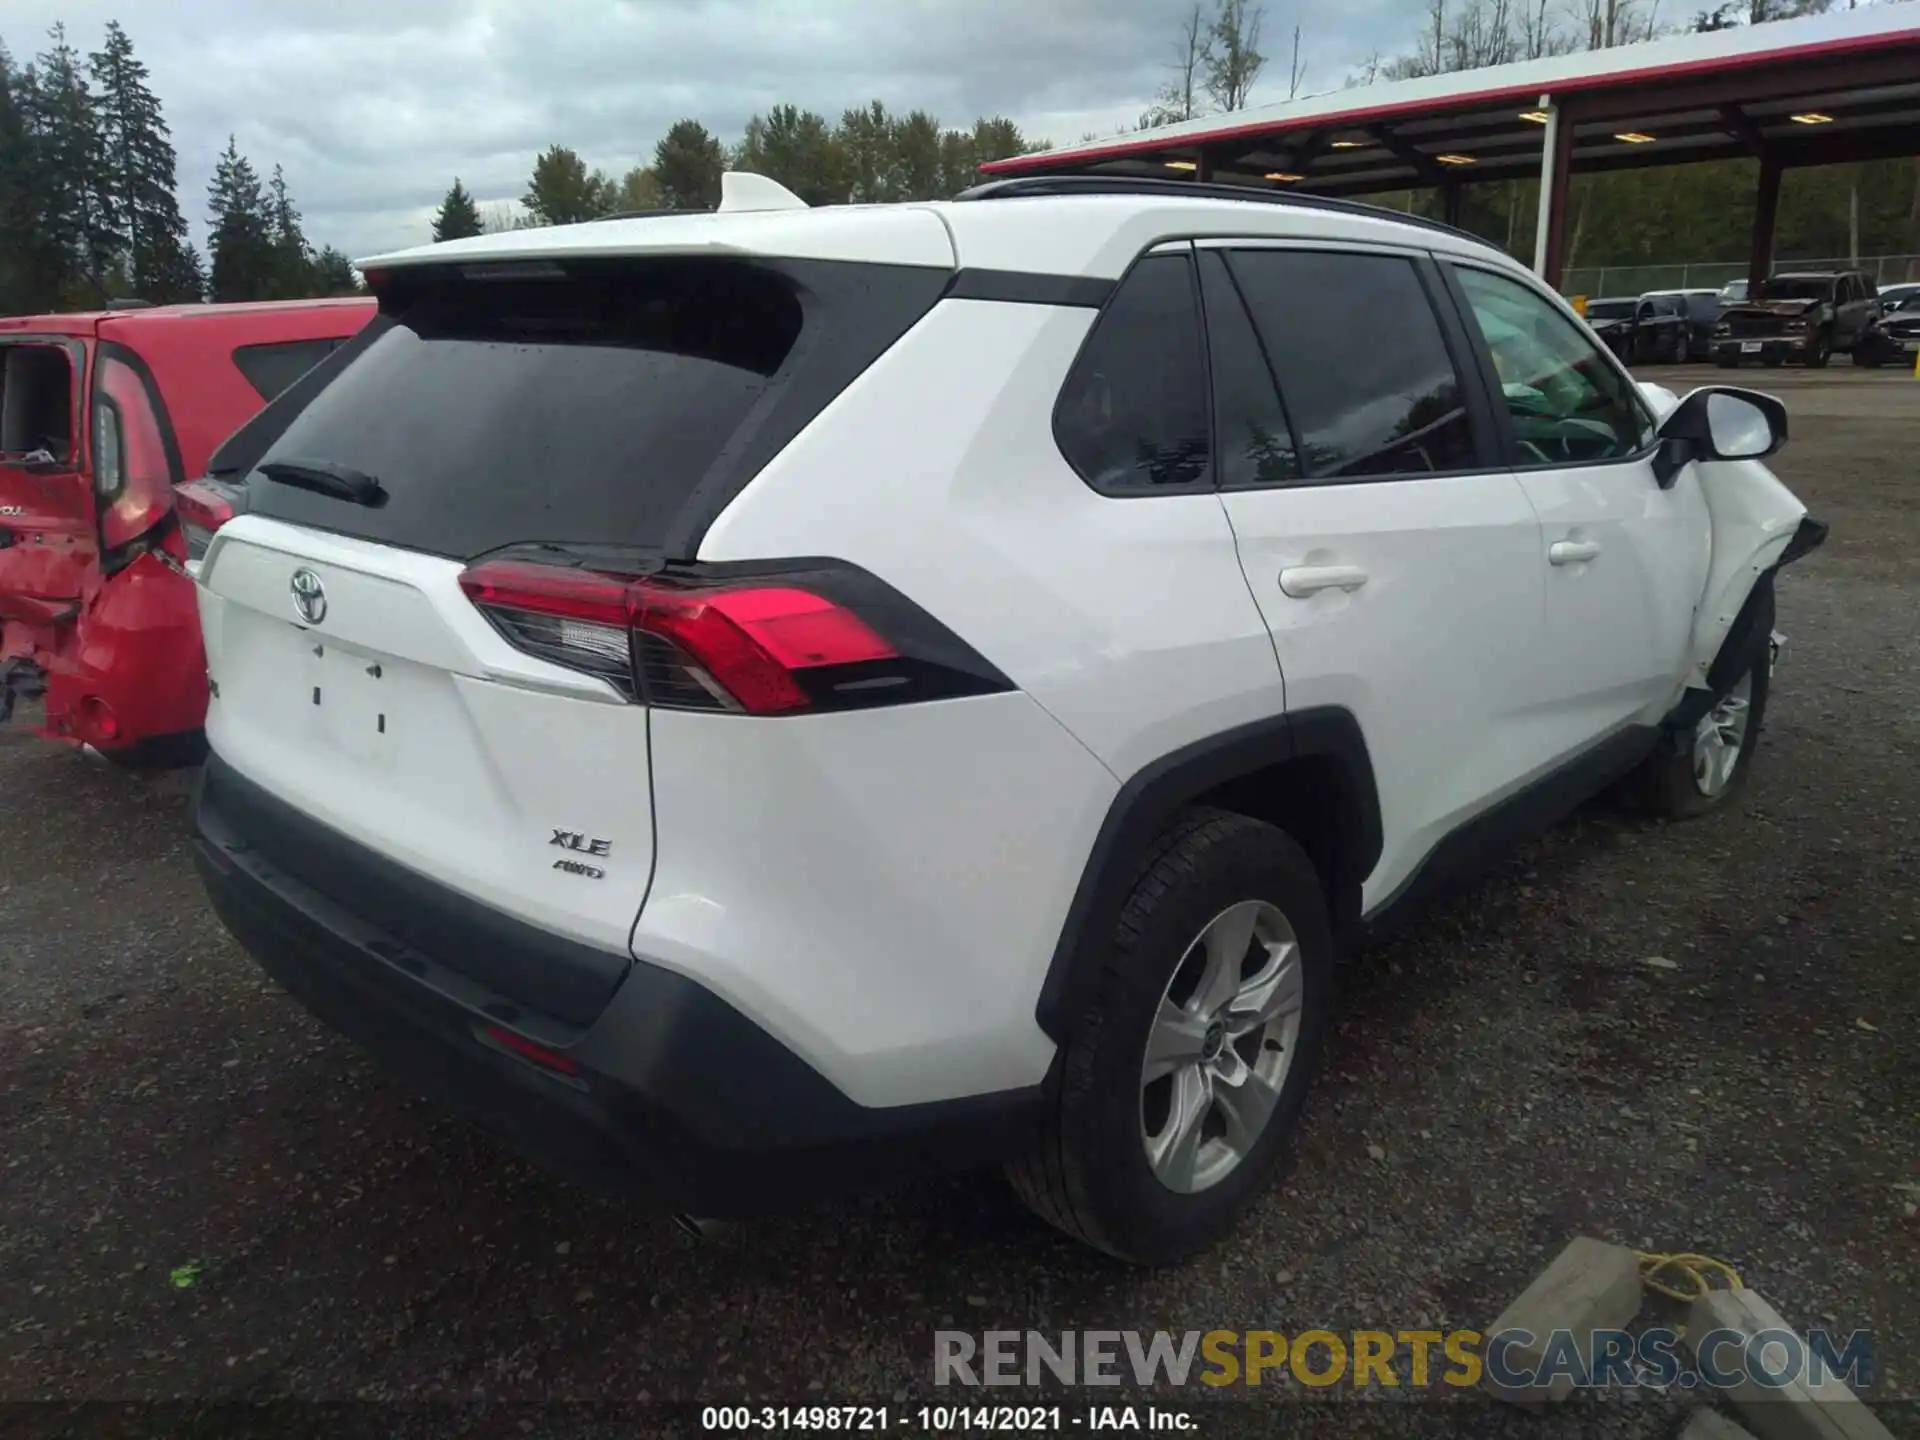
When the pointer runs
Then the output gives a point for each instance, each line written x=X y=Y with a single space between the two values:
x=679 y=1097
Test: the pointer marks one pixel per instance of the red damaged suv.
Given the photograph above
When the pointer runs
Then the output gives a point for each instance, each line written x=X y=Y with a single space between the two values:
x=101 y=416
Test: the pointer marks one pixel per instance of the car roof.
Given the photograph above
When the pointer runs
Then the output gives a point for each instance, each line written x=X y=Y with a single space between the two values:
x=1696 y=290
x=1095 y=234
x=88 y=322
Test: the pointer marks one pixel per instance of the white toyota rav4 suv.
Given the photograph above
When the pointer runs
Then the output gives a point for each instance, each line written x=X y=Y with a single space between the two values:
x=751 y=703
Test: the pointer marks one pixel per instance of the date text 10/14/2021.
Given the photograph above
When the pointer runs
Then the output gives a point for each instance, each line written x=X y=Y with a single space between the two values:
x=946 y=1419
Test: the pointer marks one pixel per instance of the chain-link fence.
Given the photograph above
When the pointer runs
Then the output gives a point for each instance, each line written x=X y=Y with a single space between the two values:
x=1595 y=281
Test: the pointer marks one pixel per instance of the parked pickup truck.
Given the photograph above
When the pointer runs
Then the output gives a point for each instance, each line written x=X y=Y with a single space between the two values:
x=1806 y=317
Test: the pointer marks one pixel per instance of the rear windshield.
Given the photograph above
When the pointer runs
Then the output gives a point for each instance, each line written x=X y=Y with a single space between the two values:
x=583 y=409
x=1608 y=309
x=1811 y=288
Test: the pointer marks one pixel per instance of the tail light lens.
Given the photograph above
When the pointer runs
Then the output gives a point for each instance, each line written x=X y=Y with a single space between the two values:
x=203 y=506
x=827 y=637
x=132 y=472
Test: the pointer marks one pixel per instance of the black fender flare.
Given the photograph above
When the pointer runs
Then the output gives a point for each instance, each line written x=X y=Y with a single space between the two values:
x=1156 y=793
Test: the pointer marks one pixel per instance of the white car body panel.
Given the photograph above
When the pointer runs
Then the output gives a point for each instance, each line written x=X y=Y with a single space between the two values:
x=462 y=756
x=1753 y=518
x=882 y=889
x=1088 y=603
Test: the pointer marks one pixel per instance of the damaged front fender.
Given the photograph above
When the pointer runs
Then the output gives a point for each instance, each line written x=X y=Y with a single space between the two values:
x=1757 y=525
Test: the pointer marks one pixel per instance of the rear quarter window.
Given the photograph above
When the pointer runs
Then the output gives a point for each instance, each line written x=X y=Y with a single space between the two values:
x=271 y=368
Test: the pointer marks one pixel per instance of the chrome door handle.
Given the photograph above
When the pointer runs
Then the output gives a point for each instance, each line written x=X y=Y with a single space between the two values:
x=1571 y=552
x=1300 y=581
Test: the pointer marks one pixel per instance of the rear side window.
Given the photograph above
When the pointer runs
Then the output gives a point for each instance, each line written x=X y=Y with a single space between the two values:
x=1132 y=417
x=1362 y=365
x=587 y=408
x=1250 y=427
x=272 y=368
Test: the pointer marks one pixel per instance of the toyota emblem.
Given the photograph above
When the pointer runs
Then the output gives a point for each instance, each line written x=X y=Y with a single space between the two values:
x=309 y=596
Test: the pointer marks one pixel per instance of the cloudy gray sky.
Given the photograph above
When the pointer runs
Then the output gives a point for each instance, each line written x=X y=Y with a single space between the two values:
x=373 y=106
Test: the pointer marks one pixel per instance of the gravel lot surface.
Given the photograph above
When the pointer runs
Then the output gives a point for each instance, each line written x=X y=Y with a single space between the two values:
x=1516 y=1070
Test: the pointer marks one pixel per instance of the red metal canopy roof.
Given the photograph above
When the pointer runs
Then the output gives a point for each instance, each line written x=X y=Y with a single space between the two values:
x=1813 y=91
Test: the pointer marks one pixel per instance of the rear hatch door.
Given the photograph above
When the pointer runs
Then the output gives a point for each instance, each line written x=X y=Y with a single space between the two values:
x=578 y=415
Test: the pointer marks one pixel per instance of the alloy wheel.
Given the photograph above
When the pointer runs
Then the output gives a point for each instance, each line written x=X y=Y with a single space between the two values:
x=1719 y=738
x=1220 y=1046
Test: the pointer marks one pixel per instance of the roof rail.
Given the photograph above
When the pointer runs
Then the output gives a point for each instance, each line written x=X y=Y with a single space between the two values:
x=129 y=302
x=1197 y=190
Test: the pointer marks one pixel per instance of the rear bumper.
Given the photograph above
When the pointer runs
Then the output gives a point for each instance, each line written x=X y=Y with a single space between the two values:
x=692 y=1105
x=1774 y=347
x=123 y=672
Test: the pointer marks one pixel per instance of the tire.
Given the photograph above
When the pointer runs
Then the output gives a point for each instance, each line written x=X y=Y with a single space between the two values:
x=1727 y=362
x=1821 y=352
x=1089 y=1172
x=1673 y=783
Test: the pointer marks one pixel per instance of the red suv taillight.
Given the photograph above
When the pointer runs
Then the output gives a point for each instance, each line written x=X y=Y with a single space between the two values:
x=826 y=638
x=202 y=506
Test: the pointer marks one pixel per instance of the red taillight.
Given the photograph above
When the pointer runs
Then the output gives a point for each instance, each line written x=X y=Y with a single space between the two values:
x=202 y=508
x=735 y=646
x=530 y=1050
x=131 y=469
x=95 y=722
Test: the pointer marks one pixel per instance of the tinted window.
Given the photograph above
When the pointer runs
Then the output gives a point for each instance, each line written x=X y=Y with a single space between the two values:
x=580 y=410
x=1704 y=307
x=1569 y=405
x=1251 y=433
x=1608 y=309
x=1362 y=367
x=1802 y=288
x=1132 y=416
x=272 y=368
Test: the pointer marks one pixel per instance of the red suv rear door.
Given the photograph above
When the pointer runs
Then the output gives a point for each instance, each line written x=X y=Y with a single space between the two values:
x=48 y=546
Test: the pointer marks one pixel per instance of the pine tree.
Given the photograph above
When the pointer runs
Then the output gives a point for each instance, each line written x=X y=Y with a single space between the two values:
x=687 y=164
x=292 y=257
x=17 y=263
x=79 y=217
x=139 y=170
x=240 y=230
x=562 y=191
x=458 y=216
x=333 y=273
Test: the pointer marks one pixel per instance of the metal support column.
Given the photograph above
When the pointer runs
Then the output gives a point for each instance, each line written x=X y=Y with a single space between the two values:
x=1451 y=195
x=1766 y=211
x=1556 y=160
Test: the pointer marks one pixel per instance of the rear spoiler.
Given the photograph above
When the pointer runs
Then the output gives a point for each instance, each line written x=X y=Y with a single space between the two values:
x=242 y=450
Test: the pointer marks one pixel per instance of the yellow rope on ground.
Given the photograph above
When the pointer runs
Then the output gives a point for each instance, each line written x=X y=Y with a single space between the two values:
x=1695 y=1268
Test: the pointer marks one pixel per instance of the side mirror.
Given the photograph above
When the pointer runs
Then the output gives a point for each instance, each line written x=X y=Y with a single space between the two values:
x=1719 y=423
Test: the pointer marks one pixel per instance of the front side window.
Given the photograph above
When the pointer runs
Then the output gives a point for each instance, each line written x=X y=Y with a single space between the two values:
x=1132 y=417
x=1569 y=405
x=1363 y=369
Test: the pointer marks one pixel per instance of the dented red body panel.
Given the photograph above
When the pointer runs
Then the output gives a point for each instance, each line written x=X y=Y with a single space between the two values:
x=95 y=604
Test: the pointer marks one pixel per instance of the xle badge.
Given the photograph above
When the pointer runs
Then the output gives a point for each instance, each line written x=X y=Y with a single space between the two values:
x=574 y=840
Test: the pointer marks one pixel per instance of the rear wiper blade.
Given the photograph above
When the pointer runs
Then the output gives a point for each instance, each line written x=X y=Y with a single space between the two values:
x=323 y=477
